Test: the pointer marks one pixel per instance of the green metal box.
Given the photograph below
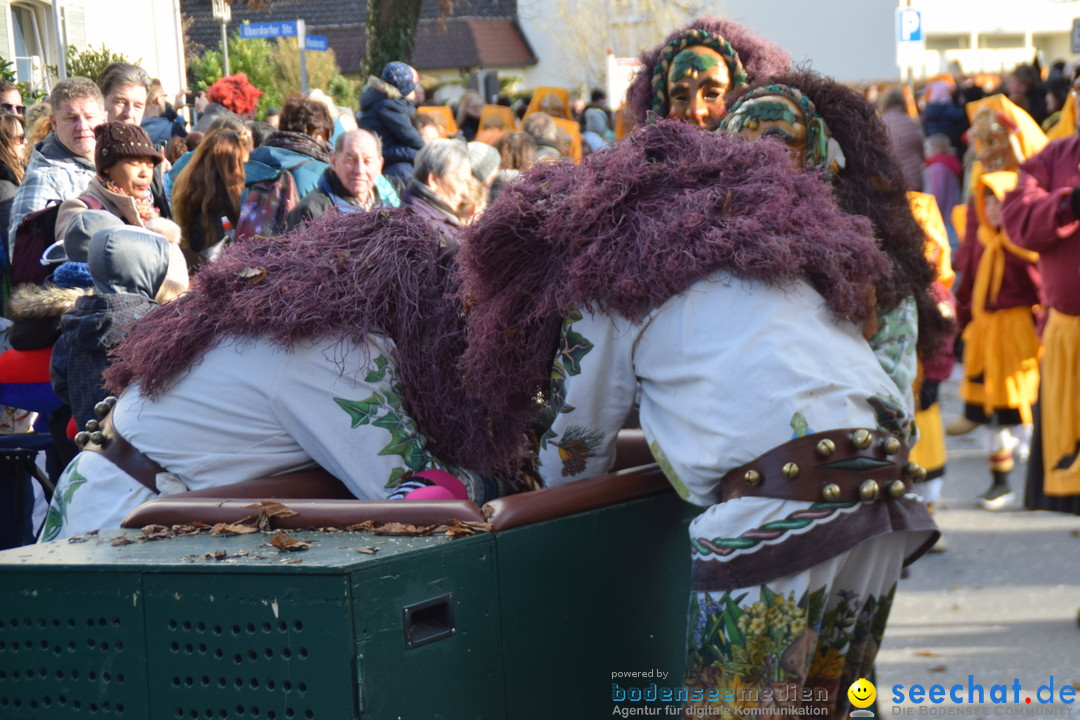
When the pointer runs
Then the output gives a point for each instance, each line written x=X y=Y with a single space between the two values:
x=528 y=622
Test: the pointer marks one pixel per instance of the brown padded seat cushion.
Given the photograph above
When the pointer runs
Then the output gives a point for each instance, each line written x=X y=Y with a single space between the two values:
x=575 y=497
x=321 y=500
x=310 y=513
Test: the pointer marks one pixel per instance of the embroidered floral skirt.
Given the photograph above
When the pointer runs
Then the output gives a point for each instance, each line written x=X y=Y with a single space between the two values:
x=793 y=646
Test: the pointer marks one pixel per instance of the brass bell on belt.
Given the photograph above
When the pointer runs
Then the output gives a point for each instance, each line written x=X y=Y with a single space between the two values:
x=868 y=490
x=897 y=488
x=790 y=470
x=915 y=471
x=890 y=445
x=830 y=492
x=752 y=477
x=825 y=448
x=862 y=439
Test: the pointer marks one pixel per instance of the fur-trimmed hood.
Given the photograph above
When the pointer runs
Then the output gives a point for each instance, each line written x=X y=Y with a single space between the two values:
x=376 y=87
x=39 y=302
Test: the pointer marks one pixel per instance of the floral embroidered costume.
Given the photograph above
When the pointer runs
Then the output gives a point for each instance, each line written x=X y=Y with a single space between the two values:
x=656 y=267
x=336 y=346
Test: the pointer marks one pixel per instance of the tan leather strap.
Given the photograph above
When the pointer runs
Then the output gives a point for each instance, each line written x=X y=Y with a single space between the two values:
x=842 y=465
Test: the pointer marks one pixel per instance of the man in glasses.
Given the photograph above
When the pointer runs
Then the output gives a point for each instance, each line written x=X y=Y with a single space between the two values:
x=11 y=98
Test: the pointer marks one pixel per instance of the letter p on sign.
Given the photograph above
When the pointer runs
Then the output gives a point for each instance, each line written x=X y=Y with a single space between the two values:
x=909 y=25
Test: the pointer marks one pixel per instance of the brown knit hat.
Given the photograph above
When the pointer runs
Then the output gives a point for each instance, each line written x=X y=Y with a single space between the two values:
x=117 y=140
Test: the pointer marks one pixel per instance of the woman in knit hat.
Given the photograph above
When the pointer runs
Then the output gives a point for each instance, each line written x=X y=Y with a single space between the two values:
x=125 y=159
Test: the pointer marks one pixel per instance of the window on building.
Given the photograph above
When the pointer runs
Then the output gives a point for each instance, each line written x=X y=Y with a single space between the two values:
x=1002 y=41
x=948 y=42
x=28 y=23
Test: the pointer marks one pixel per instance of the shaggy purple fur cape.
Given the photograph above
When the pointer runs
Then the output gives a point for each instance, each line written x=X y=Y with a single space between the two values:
x=634 y=225
x=760 y=58
x=341 y=278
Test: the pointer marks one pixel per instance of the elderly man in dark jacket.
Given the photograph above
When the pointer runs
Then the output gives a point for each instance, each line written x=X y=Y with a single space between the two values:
x=386 y=109
x=440 y=185
x=353 y=182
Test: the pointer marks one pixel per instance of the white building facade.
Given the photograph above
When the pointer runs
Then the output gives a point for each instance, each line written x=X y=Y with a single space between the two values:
x=851 y=40
x=33 y=34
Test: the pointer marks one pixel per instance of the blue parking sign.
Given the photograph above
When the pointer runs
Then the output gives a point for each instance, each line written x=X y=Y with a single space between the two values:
x=909 y=27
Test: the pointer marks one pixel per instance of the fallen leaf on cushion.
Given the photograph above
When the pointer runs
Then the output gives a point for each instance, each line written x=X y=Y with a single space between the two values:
x=287 y=543
x=232 y=529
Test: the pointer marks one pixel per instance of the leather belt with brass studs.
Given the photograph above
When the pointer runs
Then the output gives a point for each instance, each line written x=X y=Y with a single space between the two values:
x=101 y=437
x=847 y=465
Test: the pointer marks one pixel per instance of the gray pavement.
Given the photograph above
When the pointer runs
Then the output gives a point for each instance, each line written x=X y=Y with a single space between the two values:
x=999 y=605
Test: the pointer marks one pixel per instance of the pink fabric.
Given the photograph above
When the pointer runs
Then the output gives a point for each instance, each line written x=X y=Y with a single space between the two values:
x=939 y=181
x=906 y=141
x=939 y=366
x=430 y=492
x=1037 y=215
x=445 y=480
x=948 y=160
x=938 y=92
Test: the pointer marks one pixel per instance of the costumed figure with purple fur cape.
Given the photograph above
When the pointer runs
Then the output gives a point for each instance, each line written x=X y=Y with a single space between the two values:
x=336 y=345
x=702 y=274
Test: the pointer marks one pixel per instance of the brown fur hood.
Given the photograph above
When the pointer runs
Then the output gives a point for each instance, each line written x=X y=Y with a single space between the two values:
x=39 y=302
x=381 y=86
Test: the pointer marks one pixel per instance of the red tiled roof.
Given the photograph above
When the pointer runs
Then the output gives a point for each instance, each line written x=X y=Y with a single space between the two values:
x=349 y=44
x=463 y=44
x=500 y=43
x=471 y=43
x=478 y=33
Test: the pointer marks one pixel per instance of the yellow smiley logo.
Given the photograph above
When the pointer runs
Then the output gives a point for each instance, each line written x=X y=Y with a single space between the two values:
x=862 y=693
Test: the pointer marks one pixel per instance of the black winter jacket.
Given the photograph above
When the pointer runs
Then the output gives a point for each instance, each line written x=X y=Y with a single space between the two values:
x=386 y=113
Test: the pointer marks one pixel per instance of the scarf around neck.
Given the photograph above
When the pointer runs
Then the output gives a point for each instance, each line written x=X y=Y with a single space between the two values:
x=144 y=205
x=300 y=143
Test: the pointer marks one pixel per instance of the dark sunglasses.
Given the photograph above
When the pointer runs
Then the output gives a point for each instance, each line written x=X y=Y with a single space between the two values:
x=17 y=109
